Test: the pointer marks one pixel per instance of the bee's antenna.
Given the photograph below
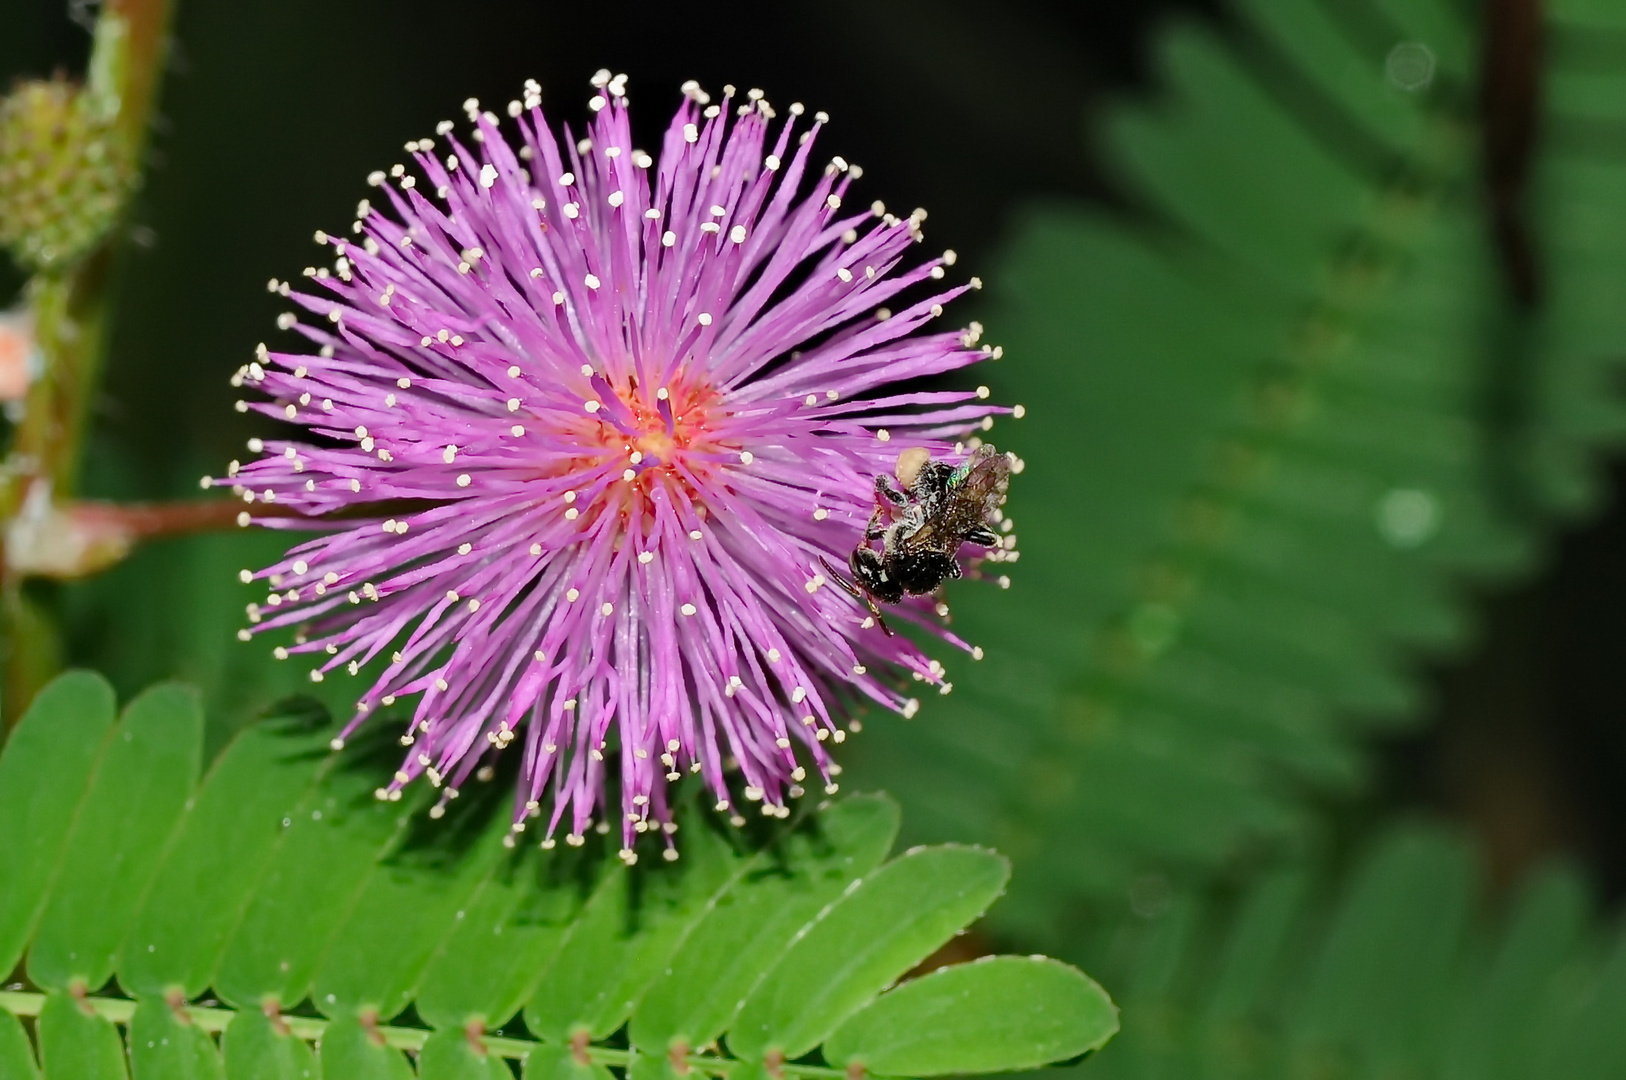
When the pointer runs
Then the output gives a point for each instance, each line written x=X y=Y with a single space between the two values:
x=850 y=586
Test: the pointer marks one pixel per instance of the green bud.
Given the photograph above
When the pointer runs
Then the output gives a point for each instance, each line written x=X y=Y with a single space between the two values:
x=64 y=173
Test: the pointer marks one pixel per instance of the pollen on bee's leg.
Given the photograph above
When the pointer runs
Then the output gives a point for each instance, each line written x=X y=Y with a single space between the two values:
x=909 y=464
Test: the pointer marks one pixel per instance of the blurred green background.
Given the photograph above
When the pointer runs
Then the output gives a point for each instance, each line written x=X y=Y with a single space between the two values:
x=274 y=113
x=1317 y=309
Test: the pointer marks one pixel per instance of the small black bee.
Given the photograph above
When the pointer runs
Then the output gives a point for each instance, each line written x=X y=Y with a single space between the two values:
x=937 y=508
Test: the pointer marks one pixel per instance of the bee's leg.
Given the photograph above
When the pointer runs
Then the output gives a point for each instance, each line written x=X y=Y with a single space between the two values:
x=880 y=620
x=886 y=494
x=913 y=519
x=852 y=589
x=886 y=489
x=982 y=536
x=875 y=530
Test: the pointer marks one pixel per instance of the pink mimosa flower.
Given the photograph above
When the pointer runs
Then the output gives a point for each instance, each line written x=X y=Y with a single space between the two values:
x=591 y=419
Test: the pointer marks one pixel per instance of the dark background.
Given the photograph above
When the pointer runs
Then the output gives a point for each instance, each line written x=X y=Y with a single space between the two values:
x=276 y=110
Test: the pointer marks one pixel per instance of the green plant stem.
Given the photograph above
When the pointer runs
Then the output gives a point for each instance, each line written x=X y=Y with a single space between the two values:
x=212 y=1019
x=71 y=308
x=144 y=25
x=71 y=319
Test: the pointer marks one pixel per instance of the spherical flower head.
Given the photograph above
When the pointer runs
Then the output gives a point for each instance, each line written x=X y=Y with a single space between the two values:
x=585 y=423
x=65 y=172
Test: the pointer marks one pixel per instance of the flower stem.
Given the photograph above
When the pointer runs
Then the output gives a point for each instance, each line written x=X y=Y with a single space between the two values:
x=71 y=317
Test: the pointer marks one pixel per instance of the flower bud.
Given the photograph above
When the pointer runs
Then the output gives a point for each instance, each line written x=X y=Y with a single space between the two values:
x=64 y=173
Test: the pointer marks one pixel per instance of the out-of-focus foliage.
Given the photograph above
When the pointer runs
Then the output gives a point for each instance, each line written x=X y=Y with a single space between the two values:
x=174 y=608
x=279 y=879
x=64 y=172
x=1279 y=414
x=1398 y=971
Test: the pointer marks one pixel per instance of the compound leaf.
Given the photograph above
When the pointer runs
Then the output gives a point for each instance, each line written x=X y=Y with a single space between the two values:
x=201 y=886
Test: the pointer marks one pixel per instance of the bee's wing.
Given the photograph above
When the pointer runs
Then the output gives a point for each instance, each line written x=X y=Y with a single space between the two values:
x=974 y=492
x=980 y=483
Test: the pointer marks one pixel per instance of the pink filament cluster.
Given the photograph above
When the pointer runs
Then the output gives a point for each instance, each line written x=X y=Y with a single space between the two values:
x=592 y=420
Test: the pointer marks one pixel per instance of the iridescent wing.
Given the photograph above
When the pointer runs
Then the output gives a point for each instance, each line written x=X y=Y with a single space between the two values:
x=975 y=490
x=981 y=480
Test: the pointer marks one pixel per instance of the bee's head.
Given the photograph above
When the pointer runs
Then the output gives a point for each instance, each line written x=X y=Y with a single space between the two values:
x=873 y=576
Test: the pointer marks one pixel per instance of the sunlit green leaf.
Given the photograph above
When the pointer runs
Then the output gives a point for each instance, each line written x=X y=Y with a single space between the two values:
x=885 y=924
x=999 y=1014
x=348 y=1050
x=449 y=923
x=254 y=1050
x=16 y=1055
x=163 y=1046
x=146 y=777
x=44 y=774
x=76 y=1044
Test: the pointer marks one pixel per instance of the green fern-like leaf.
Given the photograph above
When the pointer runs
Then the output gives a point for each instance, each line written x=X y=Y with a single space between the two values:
x=1578 y=214
x=313 y=912
x=1265 y=448
x=1398 y=971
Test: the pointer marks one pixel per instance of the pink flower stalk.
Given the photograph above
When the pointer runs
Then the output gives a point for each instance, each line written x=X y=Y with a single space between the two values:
x=592 y=419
